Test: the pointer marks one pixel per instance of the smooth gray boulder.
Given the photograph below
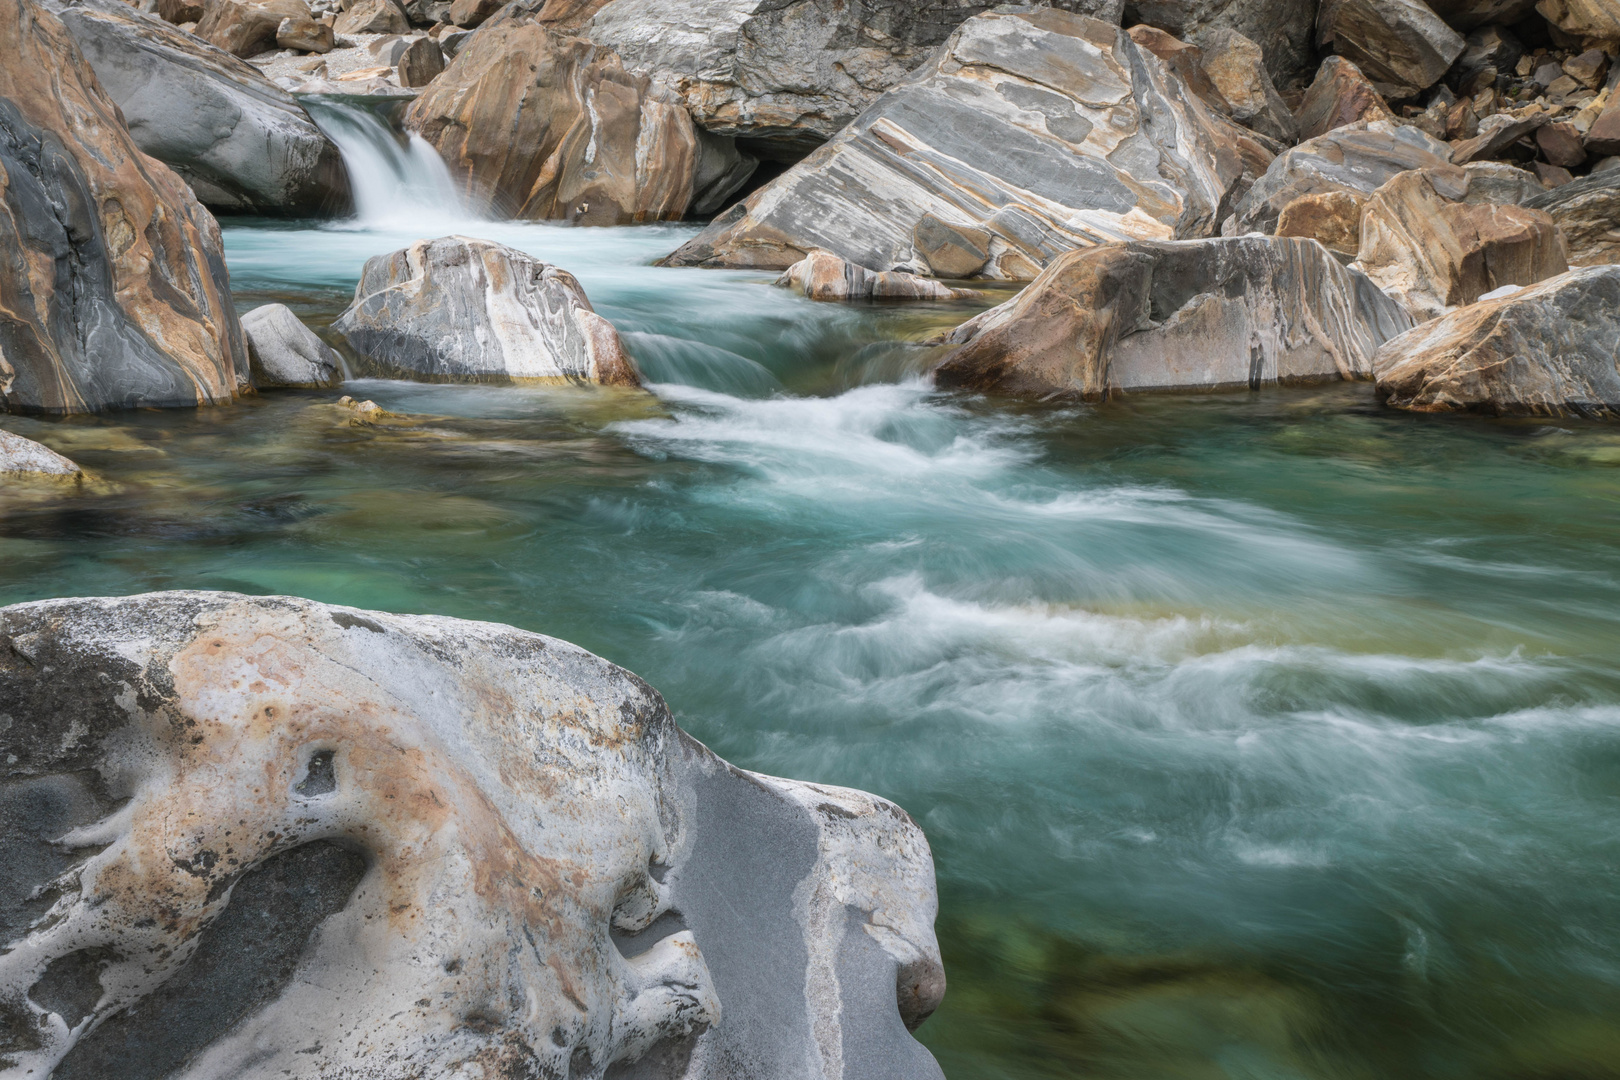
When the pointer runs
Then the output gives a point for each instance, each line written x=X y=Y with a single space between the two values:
x=261 y=838
x=242 y=143
x=25 y=457
x=1180 y=315
x=458 y=309
x=285 y=352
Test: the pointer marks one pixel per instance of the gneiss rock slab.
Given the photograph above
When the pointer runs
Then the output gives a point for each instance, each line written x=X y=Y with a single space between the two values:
x=25 y=457
x=1186 y=315
x=1046 y=131
x=315 y=842
x=1400 y=45
x=241 y=142
x=285 y=352
x=1548 y=350
x=1588 y=211
x=822 y=275
x=113 y=289
x=457 y=309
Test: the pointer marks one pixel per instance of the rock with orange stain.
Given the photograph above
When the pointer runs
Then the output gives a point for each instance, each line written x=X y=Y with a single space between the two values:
x=256 y=837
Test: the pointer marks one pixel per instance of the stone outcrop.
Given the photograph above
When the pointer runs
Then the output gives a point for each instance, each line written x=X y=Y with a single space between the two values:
x=1237 y=68
x=1041 y=130
x=1339 y=95
x=1433 y=239
x=248 y=27
x=241 y=142
x=822 y=275
x=1357 y=157
x=457 y=309
x=542 y=126
x=1284 y=29
x=1548 y=350
x=25 y=457
x=309 y=842
x=285 y=352
x=1588 y=212
x=1400 y=45
x=1187 y=315
x=113 y=289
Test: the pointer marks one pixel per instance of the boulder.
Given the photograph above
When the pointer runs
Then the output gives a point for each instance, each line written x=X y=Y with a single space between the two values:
x=285 y=352
x=241 y=142
x=421 y=63
x=1433 y=240
x=1339 y=95
x=1356 y=157
x=179 y=11
x=373 y=17
x=822 y=275
x=1046 y=130
x=248 y=27
x=1547 y=350
x=457 y=309
x=471 y=13
x=1333 y=219
x=1466 y=15
x=1560 y=145
x=1237 y=68
x=1400 y=45
x=113 y=288
x=1178 y=315
x=1593 y=21
x=1284 y=29
x=1588 y=212
x=1603 y=137
x=1185 y=62
x=1487 y=52
x=25 y=457
x=305 y=35
x=316 y=842
x=543 y=126
x=1497 y=134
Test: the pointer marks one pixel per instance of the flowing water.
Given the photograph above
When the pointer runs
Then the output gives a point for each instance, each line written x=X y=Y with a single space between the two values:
x=1258 y=735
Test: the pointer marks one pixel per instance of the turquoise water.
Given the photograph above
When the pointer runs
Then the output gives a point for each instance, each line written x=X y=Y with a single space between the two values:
x=1264 y=735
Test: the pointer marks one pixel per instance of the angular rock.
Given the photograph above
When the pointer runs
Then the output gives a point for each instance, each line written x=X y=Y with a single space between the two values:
x=180 y=11
x=1339 y=95
x=1603 y=137
x=1592 y=21
x=373 y=17
x=1400 y=45
x=1465 y=15
x=113 y=288
x=457 y=309
x=1186 y=63
x=1588 y=211
x=822 y=275
x=1433 y=241
x=1499 y=182
x=1332 y=219
x=1462 y=122
x=1356 y=157
x=1237 y=68
x=285 y=352
x=1588 y=68
x=1561 y=145
x=1047 y=130
x=248 y=27
x=1180 y=315
x=951 y=251
x=320 y=842
x=1552 y=176
x=471 y=13
x=1487 y=51
x=1548 y=350
x=421 y=63
x=25 y=457
x=305 y=36
x=541 y=126
x=1497 y=133
x=1284 y=29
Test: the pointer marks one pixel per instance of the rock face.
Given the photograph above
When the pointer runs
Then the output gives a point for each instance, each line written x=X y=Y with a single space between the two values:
x=1433 y=239
x=1339 y=95
x=25 y=457
x=542 y=126
x=822 y=275
x=1548 y=350
x=1588 y=211
x=113 y=289
x=314 y=842
x=1237 y=68
x=241 y=142
x=458 y=309
x=1284 y=29
x=247 y=27
x=1193 y=314
x=1041 y=130
x=1400 y=45
x=285 y=352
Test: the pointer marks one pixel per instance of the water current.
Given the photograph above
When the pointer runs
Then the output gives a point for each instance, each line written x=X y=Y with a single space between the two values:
x=1257 y=735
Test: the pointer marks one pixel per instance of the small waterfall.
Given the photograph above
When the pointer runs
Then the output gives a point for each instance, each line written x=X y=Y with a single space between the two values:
x=396 y=181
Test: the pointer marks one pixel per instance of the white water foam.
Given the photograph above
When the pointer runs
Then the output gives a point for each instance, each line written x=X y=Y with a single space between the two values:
x=396 y=181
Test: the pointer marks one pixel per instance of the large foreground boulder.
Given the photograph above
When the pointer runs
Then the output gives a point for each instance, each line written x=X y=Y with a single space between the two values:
x=1548 y=350
x=25 y=457
x=113 y=289
x=457 y=309
x=259 y=838
x=1588 y=211
x=241 y=142
x=1187 y=315
x=1042 y=130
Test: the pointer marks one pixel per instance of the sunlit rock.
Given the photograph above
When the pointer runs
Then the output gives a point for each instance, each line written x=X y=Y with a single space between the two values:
x=25 y=457
x=285 y=352
x=1594 y=21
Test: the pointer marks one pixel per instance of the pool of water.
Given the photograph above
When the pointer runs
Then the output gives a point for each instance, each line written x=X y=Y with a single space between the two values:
x=1260 y=735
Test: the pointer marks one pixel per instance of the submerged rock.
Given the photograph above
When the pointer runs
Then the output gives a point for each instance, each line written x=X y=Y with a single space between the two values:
x=260 y=837
x=462 y=309
x=241 y=142
x=1547 y=350
x=285 y=352
x=25 y=457
x=1040 y=130
x=822 y=275
x=1588 y=211
x=1187 y=315
x=113 y=289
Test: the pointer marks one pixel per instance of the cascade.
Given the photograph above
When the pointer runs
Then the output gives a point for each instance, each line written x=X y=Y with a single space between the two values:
x=396 y=180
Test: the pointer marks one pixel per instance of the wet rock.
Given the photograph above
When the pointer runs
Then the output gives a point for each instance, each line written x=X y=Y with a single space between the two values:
x=1284 y=29
x=543 y=126
x=457 y=309
x=1400 y=45
x=312 y=841
x=1332 y=218
x=421 y=62
x=305 y=35
x=1591 y=21
x=1466 y=15
x=285 y=352
x=113 y=288
x=822 y=275
x=374 y=17
x=248 y=27
x=1588 y=211
x=1187 y=315
x=1339 y=95
x=1237 y=68
x=1049 y=131
x=1497 y=134
x=25 y=457
x=1547 y=350
x=1356 y=157
x=1433 y=240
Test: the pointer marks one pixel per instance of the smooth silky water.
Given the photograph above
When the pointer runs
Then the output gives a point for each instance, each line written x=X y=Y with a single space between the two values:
x=1258 y=735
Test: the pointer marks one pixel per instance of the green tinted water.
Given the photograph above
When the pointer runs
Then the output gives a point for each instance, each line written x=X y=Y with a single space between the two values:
x=1257 y=736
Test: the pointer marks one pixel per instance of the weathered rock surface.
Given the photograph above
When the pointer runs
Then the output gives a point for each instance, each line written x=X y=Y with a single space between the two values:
x=1047 y=131
x=247 y=27
x=1497 y=133
x=1548 y=350
x=460 y=309
x=542 y=126
x=1193 y=314
x=25 y=457
x=1594 y=21
x=822 y=275
x=241 y=142
x=1284 y=29
x=1332 y=218
x=421 y=62
x=285 y=352
x=1588 y=211
x=472 y=13
x=1339 y=95
x=1237 y=68
x=316 y=842
x=113 y=289
x=374 y=17
x=1400 y=45
x=1488 y=51
x=1357 y=157
x=1433 y=239
x=305 y=35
